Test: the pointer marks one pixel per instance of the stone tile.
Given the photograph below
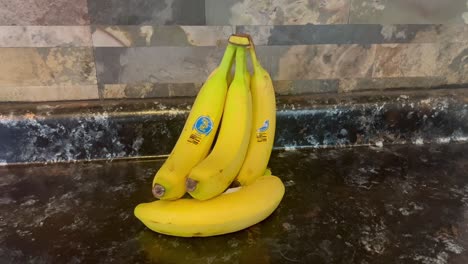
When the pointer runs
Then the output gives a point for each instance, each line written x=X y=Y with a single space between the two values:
x=205 y=35
x=46 y=66
x=452 y=62
x=154 y=90
x=45 y=36
x=276 y=12
x=406 y=83
x=367 y=11
x=324 y=62
x=108 y=12
x=43 y=12
x=405 y=60
x=355 y=34
x=408 y=12
x=138 y=12
x=48 y=93
x=150 y=90
x=166 y=12
x=156 y=64
x=324 y=34
x=442 y=34
x=297 y=87
x=259 y=34
x=424 y=33
x=137 y=36
x=269 y=57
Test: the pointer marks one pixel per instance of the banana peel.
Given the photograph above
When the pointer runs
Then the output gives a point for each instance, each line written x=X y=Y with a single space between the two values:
x=229 y=212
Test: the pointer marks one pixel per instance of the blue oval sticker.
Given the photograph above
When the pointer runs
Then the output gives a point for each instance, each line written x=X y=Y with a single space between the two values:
x=203 y=125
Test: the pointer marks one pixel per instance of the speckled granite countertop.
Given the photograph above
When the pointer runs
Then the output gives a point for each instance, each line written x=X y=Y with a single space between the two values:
x=397 y=204
x=68 y=132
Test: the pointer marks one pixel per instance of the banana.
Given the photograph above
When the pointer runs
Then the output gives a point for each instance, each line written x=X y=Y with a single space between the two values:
x=264 y=123
x=197 y=136
x=215 y=173
x=229 y=212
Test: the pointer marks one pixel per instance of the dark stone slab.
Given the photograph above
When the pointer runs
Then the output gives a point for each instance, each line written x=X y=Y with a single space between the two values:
x=325 y=34
x=398 y=204
x=112 y=12
x=137 y=12
x=108 y=64
x=329 y=34
x=150 y=64
x=126 y=129
x=355 y=33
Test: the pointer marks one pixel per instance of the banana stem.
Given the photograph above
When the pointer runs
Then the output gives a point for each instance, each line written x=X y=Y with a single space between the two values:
x=241 y=62
x=253 y=54
x=226 y=62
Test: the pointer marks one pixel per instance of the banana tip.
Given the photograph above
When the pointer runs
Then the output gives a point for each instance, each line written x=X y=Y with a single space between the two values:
x=158 y=191
x=138 y=211
x=191 y=185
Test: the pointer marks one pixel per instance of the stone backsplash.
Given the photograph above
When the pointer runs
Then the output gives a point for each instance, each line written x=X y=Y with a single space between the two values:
x=109 y=49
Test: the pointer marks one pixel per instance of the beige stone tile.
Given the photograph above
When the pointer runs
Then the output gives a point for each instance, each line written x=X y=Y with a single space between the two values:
x=45 y=36
x=452 y=62
x=276 y=12
x=112 y=91
x=48 y=93
x=43 y=12
x=444 y=33
x=325 y=62
x=405 y=60
x=46 y=66
x=150 y=90
x=149 y=35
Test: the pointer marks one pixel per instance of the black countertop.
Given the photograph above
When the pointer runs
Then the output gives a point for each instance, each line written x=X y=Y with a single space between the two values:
x=396 y=204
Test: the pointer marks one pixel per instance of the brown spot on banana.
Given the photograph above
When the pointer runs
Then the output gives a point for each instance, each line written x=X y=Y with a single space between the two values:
x=190 y=185
x=158 y=191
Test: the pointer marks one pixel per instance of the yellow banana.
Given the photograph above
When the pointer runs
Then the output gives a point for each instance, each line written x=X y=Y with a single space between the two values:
x=196 y=139
x=234 y=210
x=264 y=123
x=215 y=173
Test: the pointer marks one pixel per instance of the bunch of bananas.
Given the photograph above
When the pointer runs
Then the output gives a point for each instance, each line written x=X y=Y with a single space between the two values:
x=244 y=109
